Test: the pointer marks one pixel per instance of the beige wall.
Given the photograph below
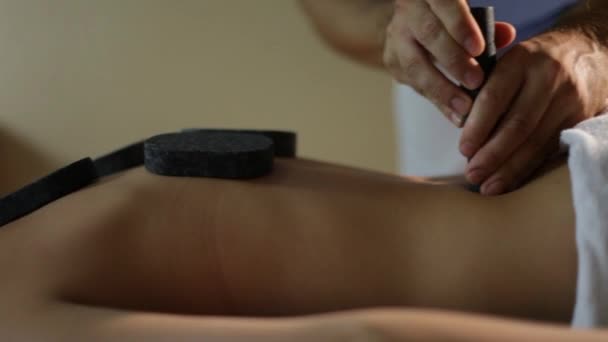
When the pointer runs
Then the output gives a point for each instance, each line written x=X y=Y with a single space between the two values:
x=81 y=77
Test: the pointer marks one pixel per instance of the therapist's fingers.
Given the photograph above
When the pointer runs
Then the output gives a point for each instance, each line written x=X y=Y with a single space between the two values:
x=445 y=29
x=410 y=65
x=493 y=101
x=459 y=24
x=504 y=34
x=526 y=159
x=563 y=112
x=425 y=35
x=513 y=130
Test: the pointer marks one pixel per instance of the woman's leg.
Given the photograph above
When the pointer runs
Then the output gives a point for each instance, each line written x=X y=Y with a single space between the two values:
x=311 y=237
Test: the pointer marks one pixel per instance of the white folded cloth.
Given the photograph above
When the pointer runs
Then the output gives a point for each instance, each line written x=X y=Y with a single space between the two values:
x=588 y=163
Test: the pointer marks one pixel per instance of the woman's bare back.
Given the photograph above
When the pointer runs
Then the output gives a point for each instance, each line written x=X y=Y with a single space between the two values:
x=311 y=237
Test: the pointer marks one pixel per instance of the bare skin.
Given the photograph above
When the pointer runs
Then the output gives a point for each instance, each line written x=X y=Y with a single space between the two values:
x=310 y=238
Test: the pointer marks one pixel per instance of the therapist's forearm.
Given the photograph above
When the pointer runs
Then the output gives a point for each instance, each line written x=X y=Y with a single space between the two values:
x=589 y=17
x=355 y=28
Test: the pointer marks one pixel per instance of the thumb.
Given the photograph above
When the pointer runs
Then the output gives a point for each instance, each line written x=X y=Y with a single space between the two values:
x=504 y=35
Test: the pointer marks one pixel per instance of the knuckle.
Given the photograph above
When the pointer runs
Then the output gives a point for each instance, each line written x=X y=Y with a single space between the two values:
x=430 y=29
x=389 y=59
x=490 y=97
x=394 y=28
x=552 y=69
x=454 y=62
x=491 y=158
x=435 y=91
x=517 y=51
x=411 y=68
x=518 y=127
x=459 y=28
x=521 y=52
x=526 y=48
x=390 y=31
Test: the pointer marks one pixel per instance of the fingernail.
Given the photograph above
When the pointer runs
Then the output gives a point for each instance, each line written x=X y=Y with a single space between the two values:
x=493 y=189
x=473 y=79
x=460 y=106
x=467 y=149
x=470 y=45
x=476 y=176
x=456 y=119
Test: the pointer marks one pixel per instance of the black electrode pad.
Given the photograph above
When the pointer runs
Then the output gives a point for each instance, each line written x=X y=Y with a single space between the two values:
x=209 y=154
x=47 y=189
x=120 y=160
x=484 y=16
x=285 y=143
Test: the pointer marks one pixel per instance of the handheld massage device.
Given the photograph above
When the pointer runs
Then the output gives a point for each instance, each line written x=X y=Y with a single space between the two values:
x=484 y=16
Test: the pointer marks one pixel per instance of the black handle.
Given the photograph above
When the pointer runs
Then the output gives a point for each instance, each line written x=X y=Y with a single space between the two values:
x=484 y=16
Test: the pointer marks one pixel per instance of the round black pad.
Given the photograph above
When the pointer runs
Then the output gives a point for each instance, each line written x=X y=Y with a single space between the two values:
x=285 y=143
x=211 y=154
x=120 y=160
x=46 y=190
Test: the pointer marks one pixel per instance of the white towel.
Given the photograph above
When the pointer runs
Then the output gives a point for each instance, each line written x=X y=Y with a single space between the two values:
x=588 y=163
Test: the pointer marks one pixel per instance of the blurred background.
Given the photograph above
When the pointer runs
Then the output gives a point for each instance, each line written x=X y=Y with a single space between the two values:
x=82 y=77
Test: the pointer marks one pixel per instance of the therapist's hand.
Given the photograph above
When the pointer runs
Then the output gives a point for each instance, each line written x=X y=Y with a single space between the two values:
x=424 y=32
x=539 y=88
